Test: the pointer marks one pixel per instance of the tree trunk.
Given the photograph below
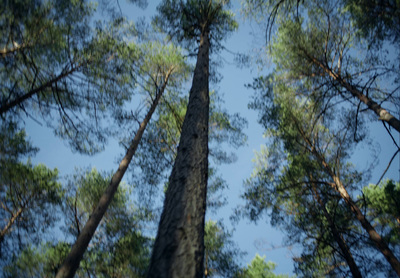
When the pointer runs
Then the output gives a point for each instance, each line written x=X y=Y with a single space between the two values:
x=179 y=246
x=355 y=271
x=339 y=187
x=73 y=259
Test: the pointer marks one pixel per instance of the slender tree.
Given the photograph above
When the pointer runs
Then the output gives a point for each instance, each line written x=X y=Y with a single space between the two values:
x=117 y=245
x=315 y=149
x=179 y=246
x=163 y=62
x=314 y=56
x=360 y=216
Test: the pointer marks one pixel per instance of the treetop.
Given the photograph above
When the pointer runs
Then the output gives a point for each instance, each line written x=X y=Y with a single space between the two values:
x=187 y=20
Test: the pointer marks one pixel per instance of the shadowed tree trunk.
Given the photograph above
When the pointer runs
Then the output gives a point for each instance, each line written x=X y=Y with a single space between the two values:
x=179 y=246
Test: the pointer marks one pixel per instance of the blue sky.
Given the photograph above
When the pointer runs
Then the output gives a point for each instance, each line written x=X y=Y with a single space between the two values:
x=251 y=238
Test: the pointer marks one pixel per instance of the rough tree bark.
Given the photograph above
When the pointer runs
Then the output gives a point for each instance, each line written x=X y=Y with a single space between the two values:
x=179 y=245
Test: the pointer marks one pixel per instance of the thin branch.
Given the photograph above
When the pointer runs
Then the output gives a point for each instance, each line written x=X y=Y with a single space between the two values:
x=387 y=168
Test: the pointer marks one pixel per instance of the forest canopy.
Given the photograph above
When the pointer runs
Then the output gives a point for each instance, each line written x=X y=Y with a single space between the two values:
x=128 y=130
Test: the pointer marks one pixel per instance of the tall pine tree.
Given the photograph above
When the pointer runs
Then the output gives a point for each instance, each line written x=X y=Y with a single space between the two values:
x=179 y=245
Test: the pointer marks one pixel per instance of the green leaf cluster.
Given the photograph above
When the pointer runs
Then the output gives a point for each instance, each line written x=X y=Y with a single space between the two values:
x=382 y=202
x=259 y=268
x=187 y=20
